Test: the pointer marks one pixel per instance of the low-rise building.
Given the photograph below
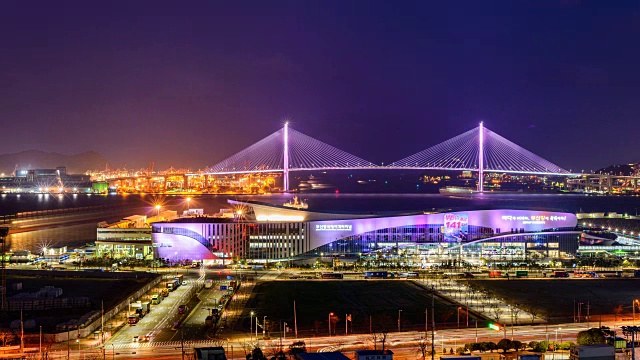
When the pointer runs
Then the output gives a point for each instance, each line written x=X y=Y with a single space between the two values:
x=209 y=353
x=331 y=355
x=374 y=355
x=129 y=237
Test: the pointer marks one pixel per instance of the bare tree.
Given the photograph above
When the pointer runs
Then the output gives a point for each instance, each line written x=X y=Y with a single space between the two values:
x=6 y=337
x=247 y=347
x=423 y=348
x=317 y=325
x=274 y=349
x=516 y=314
x=446 y=314
x=497 y=311
x=617 y=310
x=533 y=312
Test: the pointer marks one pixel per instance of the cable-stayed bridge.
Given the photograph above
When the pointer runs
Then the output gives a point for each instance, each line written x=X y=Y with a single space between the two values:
x=478 y=149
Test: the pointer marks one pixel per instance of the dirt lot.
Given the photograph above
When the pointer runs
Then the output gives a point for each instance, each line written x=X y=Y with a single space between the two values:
x=555 y=297
x=378 y=299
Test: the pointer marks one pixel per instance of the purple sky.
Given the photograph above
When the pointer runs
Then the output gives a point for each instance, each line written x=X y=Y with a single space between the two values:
x=189 y=85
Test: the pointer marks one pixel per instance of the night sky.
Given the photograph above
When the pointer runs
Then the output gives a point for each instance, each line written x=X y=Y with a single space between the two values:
x=190 y=83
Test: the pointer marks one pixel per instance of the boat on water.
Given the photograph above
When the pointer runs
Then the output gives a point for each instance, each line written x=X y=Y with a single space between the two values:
x=296 y=204
x=457 y=190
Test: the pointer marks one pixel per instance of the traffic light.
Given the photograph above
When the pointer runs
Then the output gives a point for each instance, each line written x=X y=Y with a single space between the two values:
x=495 y=327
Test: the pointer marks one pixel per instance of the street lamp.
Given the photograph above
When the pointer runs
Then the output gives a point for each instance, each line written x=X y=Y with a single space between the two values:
x=251 y=325
x=399 y=312
x=158 y=209
x=631 y=330
x=633 y=307
x=330 y=315
x=188 y=203
x=264 y=327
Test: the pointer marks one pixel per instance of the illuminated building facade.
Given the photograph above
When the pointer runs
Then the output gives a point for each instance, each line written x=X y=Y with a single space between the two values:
x=276 y=233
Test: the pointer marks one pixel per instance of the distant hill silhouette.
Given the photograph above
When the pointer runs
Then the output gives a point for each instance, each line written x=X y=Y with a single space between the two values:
x=620 y=169
x=36 y=159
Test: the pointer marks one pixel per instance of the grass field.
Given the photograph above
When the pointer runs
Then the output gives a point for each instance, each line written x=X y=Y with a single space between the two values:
x=379 y=299
x=555 y=298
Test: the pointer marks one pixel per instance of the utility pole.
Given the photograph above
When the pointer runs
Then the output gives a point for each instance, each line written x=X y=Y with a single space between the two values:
x=21 y=332
x=4 y=231
x=631 y=330
x=102 y=323
x=433 y=324
x=426 y=322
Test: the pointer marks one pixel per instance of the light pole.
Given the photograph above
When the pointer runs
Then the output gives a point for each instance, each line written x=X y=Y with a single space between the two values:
x=330 y=315
x=158 y=210
x=426 y=322
x=511 y=308
x=631 y=330
x=188 y=204
x=458 y=317
x=251 y=325
x=264 y=327
x=399 y=312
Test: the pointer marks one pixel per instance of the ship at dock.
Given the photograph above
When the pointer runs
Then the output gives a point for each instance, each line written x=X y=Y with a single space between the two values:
x=296 y=204
x=457 y=190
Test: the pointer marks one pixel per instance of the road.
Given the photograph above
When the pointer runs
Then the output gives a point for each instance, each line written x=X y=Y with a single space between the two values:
x=158 y=323
x=403 y=344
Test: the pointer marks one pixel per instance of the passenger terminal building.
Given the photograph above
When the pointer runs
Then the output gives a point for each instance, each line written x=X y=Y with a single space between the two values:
x=270 y=233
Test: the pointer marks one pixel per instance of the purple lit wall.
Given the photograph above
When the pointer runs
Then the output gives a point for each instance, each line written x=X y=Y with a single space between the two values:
x=324 y=232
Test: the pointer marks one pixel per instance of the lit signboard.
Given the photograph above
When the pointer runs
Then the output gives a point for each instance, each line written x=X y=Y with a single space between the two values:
x=534 y=219
x=333 y=227
x=279 y=218
x=456 y=226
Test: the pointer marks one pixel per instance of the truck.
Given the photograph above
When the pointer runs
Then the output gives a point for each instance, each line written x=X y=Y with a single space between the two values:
x=560 y=274
x=141 y=308
x=599 y=352
x=376 y=274
x=172 y=285
x=522 y=273
x=164 y=292
x=180 y=279
x=156 y=299
x=133 y=319
x=208 y=284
